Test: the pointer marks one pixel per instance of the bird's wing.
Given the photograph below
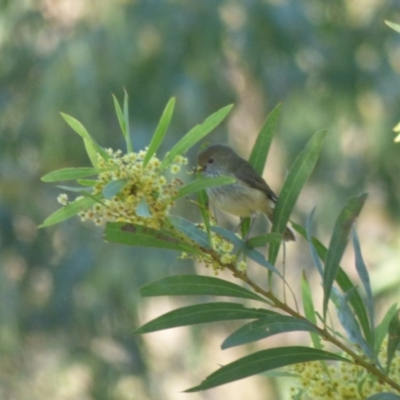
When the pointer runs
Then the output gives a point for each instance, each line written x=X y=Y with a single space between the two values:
x=247 y=174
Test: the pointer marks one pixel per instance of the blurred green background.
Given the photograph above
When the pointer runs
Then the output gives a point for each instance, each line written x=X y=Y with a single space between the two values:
x=69 y=301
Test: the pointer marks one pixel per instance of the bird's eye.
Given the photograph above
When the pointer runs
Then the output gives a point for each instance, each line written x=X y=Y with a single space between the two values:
x=210 y=160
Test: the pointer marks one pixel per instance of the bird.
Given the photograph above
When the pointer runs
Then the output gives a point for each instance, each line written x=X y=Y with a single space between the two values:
x=249 y=195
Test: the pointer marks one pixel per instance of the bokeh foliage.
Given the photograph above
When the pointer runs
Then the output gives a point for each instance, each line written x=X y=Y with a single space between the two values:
x=64 y=298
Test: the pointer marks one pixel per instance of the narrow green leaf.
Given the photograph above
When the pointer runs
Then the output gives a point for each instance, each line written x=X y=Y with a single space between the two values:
x=126 y=117
x=364 y=276
x=392 y=25
x=136 y=235
x=91 y=151
x=68 y=211
x=196 y=285
x=202 y=200
x=202 y=183
x=161 y=130
x=75 y=189
x=68 y=174
x=344 y=283
x=191 y=231
x=263 y=240
x=261 y=147
x=262 y=361
x=202 y=313
x=81 y=131
x=384 y=396
x=338 y=244
x=113 y=187
x=348 y=320
x=382 y=329
x=195 y=135
x=309 y=310
x=393 y=338
x=123 y=119
x=265 y=327
x=298 y=175
x=313 y=251
x=87 y=182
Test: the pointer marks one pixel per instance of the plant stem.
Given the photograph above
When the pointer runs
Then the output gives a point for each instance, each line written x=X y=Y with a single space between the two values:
x=324 y=333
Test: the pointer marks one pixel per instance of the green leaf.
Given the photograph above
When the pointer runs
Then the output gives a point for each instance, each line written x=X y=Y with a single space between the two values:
x=309 y=310
x=364 y=276
x=313 y=251
x=92 y=152
x=113 y=187
x=161 y=130
x=68 y=211
x=261 y=147
x=344 y=283
x=75 y=189
x=87 y=182
x=81 y=131
x=392 y=25
x=348 y=320
x=262 y=361
x=384 y=396
x=137 y=235
x=191 y=231
x=298 y=175
x=123 y=119
x=338 y=244
x=202 y=183
x=68 y=174
x=195 y=135
x=382 y=329
x=196 y=285
x=267 y=326
x=202 y=313
x=393 y=338
x=263 y=240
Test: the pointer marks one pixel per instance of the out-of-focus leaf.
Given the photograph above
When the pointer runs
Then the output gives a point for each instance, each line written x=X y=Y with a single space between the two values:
x=262 y=361
x=195 y=135
x=202 y=183
x=382 y=329
x=338 y=244
x=190 y=230
x=261 y=147
x=392 y=25
x=75 y=189
x=344 y=283
x=113 y=187
x=91 y=151
x=298 y=175
x=384 y=396
x=68 y=174
x=202 y=313
x=393 y=338
x=196 y=285
x=136 y=235
x=309 y=310
x=364 y=276
x=161 y=130
x=68 y=211
x=266 y=326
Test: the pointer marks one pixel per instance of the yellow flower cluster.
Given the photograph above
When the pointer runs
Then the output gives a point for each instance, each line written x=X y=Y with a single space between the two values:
x=341 y=381
x=223 y=248
x=145 y=197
